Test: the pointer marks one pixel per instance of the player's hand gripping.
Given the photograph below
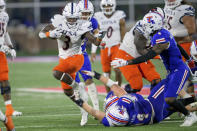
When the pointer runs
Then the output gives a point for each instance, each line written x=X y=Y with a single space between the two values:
x=118 y=63
x=13 y=53
x=5 y=49
x=56 y=33
x=89 y=73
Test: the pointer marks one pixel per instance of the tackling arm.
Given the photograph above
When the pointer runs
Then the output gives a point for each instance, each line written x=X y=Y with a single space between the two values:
x=95 y=40
x=156 y=50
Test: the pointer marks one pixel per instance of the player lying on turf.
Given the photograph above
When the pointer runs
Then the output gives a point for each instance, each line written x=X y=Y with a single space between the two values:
x=123 y=109
x=7 y=121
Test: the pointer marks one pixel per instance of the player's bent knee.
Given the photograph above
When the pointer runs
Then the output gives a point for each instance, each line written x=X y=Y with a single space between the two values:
x=65 y=77
x=5 y=90
x=154 y=83
x=170 y=100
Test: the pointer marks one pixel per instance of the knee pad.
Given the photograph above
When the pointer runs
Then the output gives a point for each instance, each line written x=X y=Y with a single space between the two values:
x=5 y=90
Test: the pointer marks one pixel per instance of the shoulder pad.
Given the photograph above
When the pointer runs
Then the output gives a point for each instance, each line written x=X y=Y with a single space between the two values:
x=120 y=14
x=57 y=20
x=187 y=10
x=5 y=16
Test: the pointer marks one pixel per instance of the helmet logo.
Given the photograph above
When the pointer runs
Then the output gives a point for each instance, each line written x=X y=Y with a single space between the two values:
x=150 y=20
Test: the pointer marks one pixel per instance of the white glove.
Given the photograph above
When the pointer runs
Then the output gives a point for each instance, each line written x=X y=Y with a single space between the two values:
x=118 y=63
x=56 y=33
x=5 y=49
x=89 y=73
x=13 y=54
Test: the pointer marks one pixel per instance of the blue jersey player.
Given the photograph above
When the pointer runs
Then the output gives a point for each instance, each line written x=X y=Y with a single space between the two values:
x=86 y=10
x=123 y=109
x=163 y=44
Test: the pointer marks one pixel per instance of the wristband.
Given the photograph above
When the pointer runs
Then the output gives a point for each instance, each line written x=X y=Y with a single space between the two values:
x=47 y=34
x=97 y=75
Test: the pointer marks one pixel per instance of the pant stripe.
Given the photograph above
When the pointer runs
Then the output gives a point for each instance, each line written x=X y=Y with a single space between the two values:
x=161 y=89
x=183 y=79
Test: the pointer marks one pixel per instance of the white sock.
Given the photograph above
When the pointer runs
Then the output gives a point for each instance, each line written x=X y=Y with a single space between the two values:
x=92 y=92
x=8 y=102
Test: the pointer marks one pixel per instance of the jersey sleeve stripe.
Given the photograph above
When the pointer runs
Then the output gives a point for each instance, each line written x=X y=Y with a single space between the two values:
x=183 y=79
x=117 y=119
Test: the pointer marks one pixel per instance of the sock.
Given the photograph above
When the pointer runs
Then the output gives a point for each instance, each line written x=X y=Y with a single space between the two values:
x=92 y=92
x=9 y=108
x=187 y=101
x=179 y=107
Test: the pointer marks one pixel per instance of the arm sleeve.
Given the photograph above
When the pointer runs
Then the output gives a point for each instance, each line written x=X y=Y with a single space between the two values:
x=183 y=52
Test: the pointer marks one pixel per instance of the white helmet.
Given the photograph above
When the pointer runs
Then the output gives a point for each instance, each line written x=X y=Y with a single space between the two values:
x=110 y=102
x=159 y=11
x=85 y=6
x=172 y=4
x=2 y=5
x=193 y=50
x=152 y=22
x=104 y=6
x=71 y=13
x=117 y=116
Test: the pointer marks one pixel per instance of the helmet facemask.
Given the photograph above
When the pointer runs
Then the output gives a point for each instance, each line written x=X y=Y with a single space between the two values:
x=2 y=5
x=71 y=14
x=108 y=6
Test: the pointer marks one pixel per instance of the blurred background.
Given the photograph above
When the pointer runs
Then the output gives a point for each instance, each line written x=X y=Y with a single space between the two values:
x=27 y=17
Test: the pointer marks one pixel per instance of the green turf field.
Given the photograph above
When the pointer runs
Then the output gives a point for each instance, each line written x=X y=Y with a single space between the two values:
x=54 y=111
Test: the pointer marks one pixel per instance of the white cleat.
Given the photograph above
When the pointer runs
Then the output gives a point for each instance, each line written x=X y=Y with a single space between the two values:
x=17 y=113
x=190 y=119
x=84 y=118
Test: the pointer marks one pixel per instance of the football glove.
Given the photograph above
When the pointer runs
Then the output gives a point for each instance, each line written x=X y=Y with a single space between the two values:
x=118 y=63
x=56 y=33
x=13 y=54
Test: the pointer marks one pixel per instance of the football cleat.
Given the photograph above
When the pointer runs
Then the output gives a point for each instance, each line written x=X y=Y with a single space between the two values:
x=84 y=117
x=190 y=119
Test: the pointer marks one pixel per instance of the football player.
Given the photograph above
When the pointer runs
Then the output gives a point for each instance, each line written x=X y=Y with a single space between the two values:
x=7 y=121
x=180 y=21
x=86 y=10
x=163 y=43
x=69 y=33
x=6 y=47
x=133 y=45
x=113 y=22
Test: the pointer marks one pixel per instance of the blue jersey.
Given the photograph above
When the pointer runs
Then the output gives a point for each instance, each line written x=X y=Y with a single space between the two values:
x=94 y=27
x=171 y=57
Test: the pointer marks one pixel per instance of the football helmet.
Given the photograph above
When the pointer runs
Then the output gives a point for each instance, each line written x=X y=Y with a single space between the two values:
x=108 y=6
x=172 y=3
x=71 y=14
x=86 y=9
x=151 y=23
x=193 y=50
x=117 y=116
x=2 y=5
x=110 y=102
x=159 y=11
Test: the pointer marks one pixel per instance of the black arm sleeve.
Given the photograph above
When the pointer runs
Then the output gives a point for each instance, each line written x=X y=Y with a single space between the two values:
x=183 y=52
x=151 y=54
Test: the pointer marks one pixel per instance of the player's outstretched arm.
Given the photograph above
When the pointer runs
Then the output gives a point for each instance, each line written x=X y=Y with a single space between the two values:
x=118 y=91
x=156 y=50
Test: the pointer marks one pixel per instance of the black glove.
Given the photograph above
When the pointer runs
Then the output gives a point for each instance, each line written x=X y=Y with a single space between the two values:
x=79 y=102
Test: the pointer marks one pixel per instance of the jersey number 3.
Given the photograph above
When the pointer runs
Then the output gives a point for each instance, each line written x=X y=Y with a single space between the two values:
x=66 y=43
